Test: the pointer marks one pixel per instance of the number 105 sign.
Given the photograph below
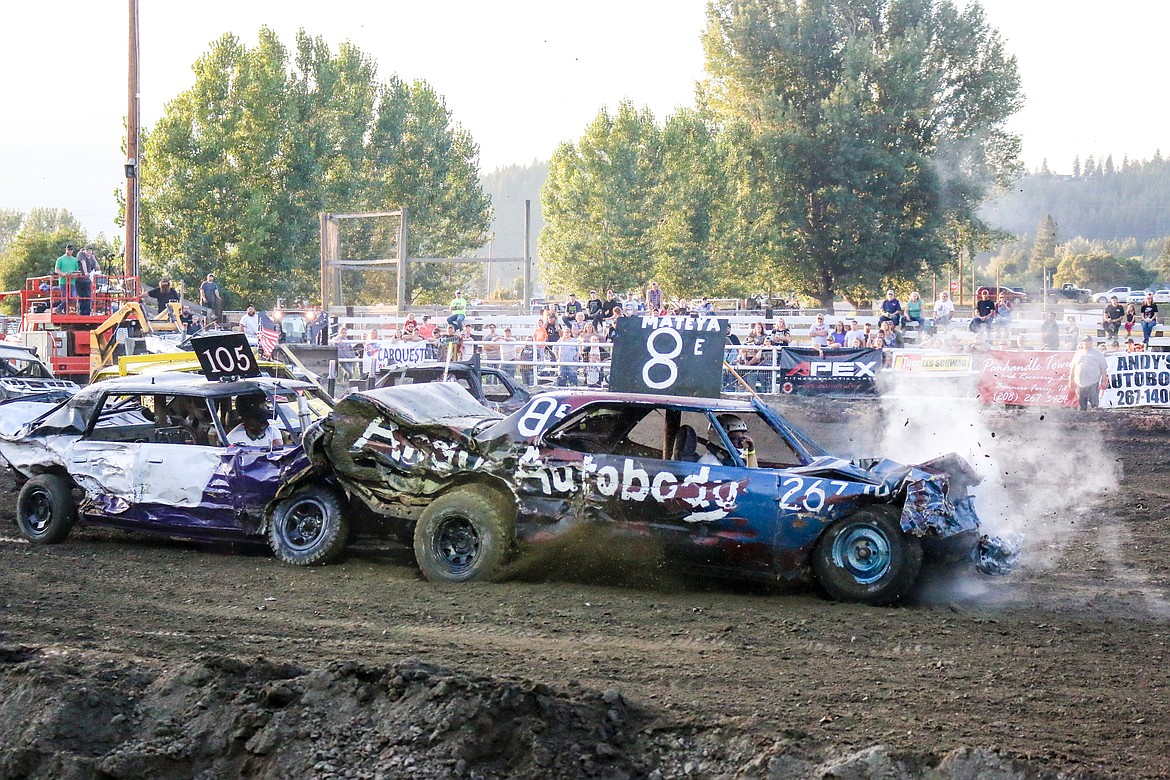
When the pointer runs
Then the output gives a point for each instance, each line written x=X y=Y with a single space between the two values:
x=226 y=355
x=670 y=355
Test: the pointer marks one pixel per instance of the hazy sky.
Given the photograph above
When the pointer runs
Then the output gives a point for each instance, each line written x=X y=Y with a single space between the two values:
x=520 y=75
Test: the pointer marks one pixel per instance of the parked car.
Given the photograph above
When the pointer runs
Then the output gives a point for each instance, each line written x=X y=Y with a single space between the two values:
x=1013 y=295
x=152 y=454
x=23 y=373
x=1139 y=297
x=1070 y=292
x=1122 y=294
x=492 y=387
x=653 y=476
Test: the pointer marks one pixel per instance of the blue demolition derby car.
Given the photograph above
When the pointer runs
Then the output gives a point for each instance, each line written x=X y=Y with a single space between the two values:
x=723 y=487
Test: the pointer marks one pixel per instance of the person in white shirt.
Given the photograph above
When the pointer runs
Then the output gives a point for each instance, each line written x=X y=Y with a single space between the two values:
x=819 y=332
x=256 y=429
x=855 y=338
x=250 y=323
x=944 y=311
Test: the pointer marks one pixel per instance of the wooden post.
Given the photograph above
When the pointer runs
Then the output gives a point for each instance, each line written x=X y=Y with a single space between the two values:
x=132 y=162
x=403 y=267
x=527 y=258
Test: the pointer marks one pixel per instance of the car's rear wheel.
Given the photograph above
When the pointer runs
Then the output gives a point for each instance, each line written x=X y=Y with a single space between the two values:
x=867 y=558
x=308 y=528
x=464 y=536
x=45 y=509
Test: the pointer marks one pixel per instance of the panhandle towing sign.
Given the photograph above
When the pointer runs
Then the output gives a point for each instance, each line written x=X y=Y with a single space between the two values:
x=809 y=371
x=670 y=355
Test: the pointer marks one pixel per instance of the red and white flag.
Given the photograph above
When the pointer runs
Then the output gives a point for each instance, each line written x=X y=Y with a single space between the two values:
x=269 y=335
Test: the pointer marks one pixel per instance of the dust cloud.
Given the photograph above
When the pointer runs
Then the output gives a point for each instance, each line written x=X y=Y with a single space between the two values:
x=1042 y=471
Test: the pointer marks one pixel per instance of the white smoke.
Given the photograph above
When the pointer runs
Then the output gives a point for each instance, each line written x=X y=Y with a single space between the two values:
x=1041 y=470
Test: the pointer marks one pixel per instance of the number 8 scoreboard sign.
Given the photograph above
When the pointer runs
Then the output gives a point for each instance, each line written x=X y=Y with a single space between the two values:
x=669 y=355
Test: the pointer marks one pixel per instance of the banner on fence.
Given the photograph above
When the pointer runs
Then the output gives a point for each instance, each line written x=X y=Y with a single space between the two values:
x=918 y=362
x=1137 y=379
x=380 y=355
x=673 y=355
x=807 y=371
x=1025 y=378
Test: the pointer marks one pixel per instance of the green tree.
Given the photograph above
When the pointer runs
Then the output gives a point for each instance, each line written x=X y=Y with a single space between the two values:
x=238 y=169
x=601 y=202
x=10 y=222
x=879 y=125
x=1043 y=257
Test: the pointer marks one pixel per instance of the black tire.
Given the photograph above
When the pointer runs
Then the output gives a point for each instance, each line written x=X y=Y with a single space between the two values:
x=465 y=535
x=308 y=528
x=866 y=558
x=45 y=509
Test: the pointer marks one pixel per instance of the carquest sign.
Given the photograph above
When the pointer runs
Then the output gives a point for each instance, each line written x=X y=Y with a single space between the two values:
x=380 y=355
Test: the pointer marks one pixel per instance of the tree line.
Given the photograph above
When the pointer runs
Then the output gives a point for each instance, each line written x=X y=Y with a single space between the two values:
x=837 y=147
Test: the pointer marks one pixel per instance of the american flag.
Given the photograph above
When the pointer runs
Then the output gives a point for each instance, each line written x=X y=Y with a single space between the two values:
x=269 y=335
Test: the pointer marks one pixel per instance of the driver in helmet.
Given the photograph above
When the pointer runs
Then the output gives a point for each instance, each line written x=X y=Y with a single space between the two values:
x=737 y=431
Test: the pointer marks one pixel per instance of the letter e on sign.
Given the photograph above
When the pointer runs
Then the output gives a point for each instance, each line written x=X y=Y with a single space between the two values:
x=668 y=355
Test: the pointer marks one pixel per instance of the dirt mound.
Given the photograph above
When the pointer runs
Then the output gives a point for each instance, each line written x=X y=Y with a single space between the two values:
x=71 y=714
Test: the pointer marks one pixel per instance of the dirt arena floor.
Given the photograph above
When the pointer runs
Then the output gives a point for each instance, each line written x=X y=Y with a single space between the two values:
x=130 y=657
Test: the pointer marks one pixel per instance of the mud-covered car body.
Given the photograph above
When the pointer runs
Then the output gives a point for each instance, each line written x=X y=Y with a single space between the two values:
x=637 y=468
x=151 y=454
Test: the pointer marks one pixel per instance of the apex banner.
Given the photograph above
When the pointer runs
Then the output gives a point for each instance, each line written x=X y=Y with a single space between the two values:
x=807 y=371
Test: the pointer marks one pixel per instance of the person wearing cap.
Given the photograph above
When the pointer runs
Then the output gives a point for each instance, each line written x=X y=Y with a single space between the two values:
x=891 y=309
x=1088 y=373
x=572 y=306
x=164 y=294
x=211 y=298
x=458 y=310
x=250 y=323
x=255 y=428
x=87 y=269
x=66 y=269
x=818 y=333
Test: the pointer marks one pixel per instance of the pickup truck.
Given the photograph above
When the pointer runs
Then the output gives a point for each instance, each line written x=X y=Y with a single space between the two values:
x=1070 y=292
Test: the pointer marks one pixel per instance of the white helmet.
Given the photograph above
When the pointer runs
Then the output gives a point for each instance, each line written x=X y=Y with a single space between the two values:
x=732 y=423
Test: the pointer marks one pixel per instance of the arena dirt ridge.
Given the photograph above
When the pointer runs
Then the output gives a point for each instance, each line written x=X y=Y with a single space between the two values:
x=124 y=656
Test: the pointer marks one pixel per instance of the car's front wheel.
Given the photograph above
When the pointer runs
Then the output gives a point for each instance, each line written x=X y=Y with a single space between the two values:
x=45 y=509
x=867 y=558
x=308 y=527
x=464 y=536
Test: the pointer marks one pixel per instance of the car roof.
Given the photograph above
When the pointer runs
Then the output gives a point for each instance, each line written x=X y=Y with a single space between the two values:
x=17 y=351
x=194 y=384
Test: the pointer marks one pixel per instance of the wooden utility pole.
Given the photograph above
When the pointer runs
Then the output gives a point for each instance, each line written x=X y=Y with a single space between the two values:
x=132 y=119
x=527 y=258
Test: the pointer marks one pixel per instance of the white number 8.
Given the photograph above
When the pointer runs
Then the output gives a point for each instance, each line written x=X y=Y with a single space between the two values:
x=658 y=358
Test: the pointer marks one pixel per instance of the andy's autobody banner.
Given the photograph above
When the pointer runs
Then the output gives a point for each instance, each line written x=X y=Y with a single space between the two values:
x=1137 y=379
x=1024 y=378
x=806 y=371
